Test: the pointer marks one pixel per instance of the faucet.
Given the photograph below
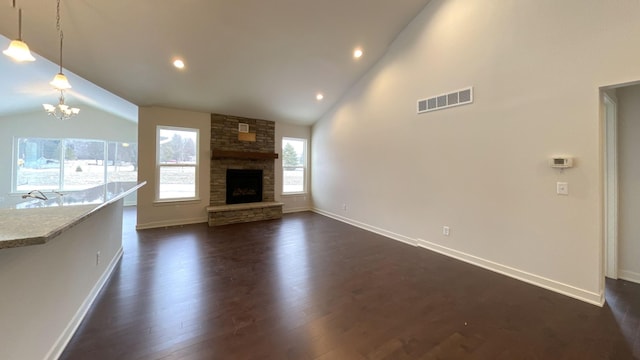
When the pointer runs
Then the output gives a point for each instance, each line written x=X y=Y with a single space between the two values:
x=36 y=194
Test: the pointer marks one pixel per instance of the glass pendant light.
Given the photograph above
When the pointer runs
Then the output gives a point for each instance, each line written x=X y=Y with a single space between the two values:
x=62 y=111
x=60 y=81
x=18 y=49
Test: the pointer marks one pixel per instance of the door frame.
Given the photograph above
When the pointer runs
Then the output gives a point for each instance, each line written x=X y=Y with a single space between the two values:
x=611 y=186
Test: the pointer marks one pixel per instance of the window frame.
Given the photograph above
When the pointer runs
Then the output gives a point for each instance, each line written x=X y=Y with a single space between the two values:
x=15 y=167
x=195 y=165
x=62 y=184
x=305 y=166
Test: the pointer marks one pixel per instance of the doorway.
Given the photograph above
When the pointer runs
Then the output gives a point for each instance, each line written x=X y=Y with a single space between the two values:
x=621 y=125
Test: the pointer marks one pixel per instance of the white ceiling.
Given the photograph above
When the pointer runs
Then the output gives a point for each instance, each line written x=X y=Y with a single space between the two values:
x=253 y=58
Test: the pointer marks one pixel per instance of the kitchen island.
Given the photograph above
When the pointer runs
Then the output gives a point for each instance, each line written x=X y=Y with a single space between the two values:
x=36 y=221
x=55 y=256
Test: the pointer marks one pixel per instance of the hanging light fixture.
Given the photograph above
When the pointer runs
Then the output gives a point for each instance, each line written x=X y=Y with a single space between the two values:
x=18 y=49
x=62 y=111
x=60 y=81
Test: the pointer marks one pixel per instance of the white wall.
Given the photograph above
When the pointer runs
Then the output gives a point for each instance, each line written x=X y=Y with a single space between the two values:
x=151 y=214
x=89 y=124
x=482 y=169
x=629 y=187
x=297 y=202
x=47 y=289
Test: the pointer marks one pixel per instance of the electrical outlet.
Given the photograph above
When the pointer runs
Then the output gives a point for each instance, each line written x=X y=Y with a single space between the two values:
x=98 y=258
x=445 y=230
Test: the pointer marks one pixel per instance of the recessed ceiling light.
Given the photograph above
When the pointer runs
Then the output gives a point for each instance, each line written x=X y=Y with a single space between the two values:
x=319 y=97
x=357 y=53
x=178 y=64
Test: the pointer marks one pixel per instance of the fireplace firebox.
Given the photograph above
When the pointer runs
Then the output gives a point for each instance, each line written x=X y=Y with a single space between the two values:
x=244 y=186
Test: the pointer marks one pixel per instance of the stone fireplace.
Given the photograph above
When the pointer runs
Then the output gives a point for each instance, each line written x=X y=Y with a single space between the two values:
x=238 y=155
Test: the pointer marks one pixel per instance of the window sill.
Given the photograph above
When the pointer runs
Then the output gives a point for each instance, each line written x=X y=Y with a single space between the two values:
x=294 y=194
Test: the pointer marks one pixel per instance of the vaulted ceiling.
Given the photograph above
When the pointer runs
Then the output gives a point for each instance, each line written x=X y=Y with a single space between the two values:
x=255 y=58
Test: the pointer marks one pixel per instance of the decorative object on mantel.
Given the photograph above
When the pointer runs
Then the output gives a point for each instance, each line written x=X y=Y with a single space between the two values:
x=18 y=49
x=247 y=137
x=62 y=111
x=250 y=155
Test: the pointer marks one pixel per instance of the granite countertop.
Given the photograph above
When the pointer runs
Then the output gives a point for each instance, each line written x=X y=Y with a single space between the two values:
x=35 y=222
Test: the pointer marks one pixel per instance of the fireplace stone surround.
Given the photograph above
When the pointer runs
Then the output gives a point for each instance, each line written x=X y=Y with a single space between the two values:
x=231 y=151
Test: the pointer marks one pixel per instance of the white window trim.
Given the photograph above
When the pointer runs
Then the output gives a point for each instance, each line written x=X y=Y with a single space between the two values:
x=305 y=189
x=196 y=197
x=61 y=175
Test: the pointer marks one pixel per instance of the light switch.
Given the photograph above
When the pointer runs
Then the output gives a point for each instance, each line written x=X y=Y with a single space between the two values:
x=562 y=188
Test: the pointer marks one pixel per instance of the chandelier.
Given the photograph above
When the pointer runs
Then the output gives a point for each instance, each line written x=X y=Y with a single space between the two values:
x=62 y=111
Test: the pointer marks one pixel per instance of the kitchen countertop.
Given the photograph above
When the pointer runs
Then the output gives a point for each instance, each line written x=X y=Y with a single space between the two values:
x=35 y=222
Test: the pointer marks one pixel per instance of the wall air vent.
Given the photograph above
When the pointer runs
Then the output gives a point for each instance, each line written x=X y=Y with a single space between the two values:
x=443 y=101
x=422 y=106
x=431 y=104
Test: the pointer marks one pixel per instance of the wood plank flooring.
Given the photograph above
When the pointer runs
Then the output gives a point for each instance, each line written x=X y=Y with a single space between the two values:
x=309 y=287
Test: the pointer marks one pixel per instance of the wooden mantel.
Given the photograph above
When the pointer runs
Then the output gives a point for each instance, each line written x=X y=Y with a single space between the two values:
x=224 y=154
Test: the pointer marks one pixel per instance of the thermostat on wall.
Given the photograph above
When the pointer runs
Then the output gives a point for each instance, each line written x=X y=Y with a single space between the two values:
x=561 y=162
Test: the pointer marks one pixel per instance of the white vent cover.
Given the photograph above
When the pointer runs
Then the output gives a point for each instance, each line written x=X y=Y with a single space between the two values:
x=443 y=101
x=243 y=128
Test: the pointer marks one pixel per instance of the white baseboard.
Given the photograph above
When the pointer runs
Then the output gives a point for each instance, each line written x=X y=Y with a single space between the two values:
x=168 y=223
x=368 y=227
x=568 y=290
x=74 y=323
x=564 y=289
x=629 y=276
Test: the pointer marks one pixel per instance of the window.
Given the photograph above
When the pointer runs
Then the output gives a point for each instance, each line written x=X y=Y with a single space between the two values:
x=122 y=162
x=38 y=164
x=294 y=165
x=84 y=165
x=177 y=164
x=71 y=164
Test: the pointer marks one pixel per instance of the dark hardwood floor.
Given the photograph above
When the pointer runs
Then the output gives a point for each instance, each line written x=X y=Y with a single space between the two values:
x=309 y=287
